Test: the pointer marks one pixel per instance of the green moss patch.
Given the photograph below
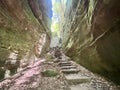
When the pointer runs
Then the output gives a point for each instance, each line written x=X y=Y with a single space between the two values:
x=49 y=73
x=11 y=40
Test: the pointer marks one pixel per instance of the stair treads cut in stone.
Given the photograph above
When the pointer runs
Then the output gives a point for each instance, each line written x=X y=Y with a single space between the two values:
x=82 y=87
x=74 y=79
x=64 y=64
x=68 y=67
x=68 y=71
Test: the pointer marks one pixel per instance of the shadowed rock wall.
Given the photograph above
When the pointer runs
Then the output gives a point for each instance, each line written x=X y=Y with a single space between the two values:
x=22 y=22
x=91 y=35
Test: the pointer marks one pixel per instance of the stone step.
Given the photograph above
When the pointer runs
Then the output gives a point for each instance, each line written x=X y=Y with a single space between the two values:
x=68 y=67
x=85 y=86
x=70 y=71
x=60 y=60
x=56 y=60
x=65 y=63
x=74 y=79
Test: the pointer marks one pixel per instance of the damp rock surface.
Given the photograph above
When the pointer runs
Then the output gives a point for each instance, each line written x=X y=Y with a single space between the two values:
x=91 y=35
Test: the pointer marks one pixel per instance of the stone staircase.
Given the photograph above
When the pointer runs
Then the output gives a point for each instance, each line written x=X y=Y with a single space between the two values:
x=73 y=75
x=67 y=67
x=79 y=78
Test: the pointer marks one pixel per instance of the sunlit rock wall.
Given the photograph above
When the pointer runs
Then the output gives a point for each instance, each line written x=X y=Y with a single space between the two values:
x=23 y=23
x=91 y=35
x=42 y=10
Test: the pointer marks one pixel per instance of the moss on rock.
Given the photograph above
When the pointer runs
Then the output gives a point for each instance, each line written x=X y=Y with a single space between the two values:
x=49 y=73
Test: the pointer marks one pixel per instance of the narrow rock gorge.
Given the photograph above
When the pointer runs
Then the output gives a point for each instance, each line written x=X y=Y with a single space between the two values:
x=88 y=31
x=91 y=34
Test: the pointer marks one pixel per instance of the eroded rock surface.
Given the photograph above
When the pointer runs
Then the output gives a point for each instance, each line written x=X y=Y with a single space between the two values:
x=24 y=30
x=91 y=35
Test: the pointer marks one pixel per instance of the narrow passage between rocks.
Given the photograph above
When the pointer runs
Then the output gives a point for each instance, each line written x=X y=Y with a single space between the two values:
x=59 y=44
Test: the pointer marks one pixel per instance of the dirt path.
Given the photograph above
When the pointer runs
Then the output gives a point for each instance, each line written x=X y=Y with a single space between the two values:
x=56 y=72
x=26 y=79
x=31 y=78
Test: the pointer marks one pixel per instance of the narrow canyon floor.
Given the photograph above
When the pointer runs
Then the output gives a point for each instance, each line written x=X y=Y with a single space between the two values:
x=56 y=71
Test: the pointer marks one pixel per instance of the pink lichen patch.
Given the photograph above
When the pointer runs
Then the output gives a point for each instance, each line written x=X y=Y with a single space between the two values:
x=1 y=85
x=24 y=77
x=34 y=70
x=21 y=80
x=5 y=82
x=34 y=84
x=38 y=62
x=31 y=72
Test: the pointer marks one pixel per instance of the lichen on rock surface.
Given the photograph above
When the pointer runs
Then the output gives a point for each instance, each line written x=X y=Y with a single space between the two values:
x=90 y=35
x=22 y=23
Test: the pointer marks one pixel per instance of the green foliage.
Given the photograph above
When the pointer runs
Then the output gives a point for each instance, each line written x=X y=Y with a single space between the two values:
x=55 y=27
x=58 y=16
x=57 y=7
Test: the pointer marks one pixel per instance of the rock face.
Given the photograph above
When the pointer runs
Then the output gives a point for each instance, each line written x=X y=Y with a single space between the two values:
x=24 y=27
x=18 y=26
x=91 y=35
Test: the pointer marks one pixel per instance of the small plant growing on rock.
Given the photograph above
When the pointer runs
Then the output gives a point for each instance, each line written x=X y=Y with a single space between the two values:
x=49 y=73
